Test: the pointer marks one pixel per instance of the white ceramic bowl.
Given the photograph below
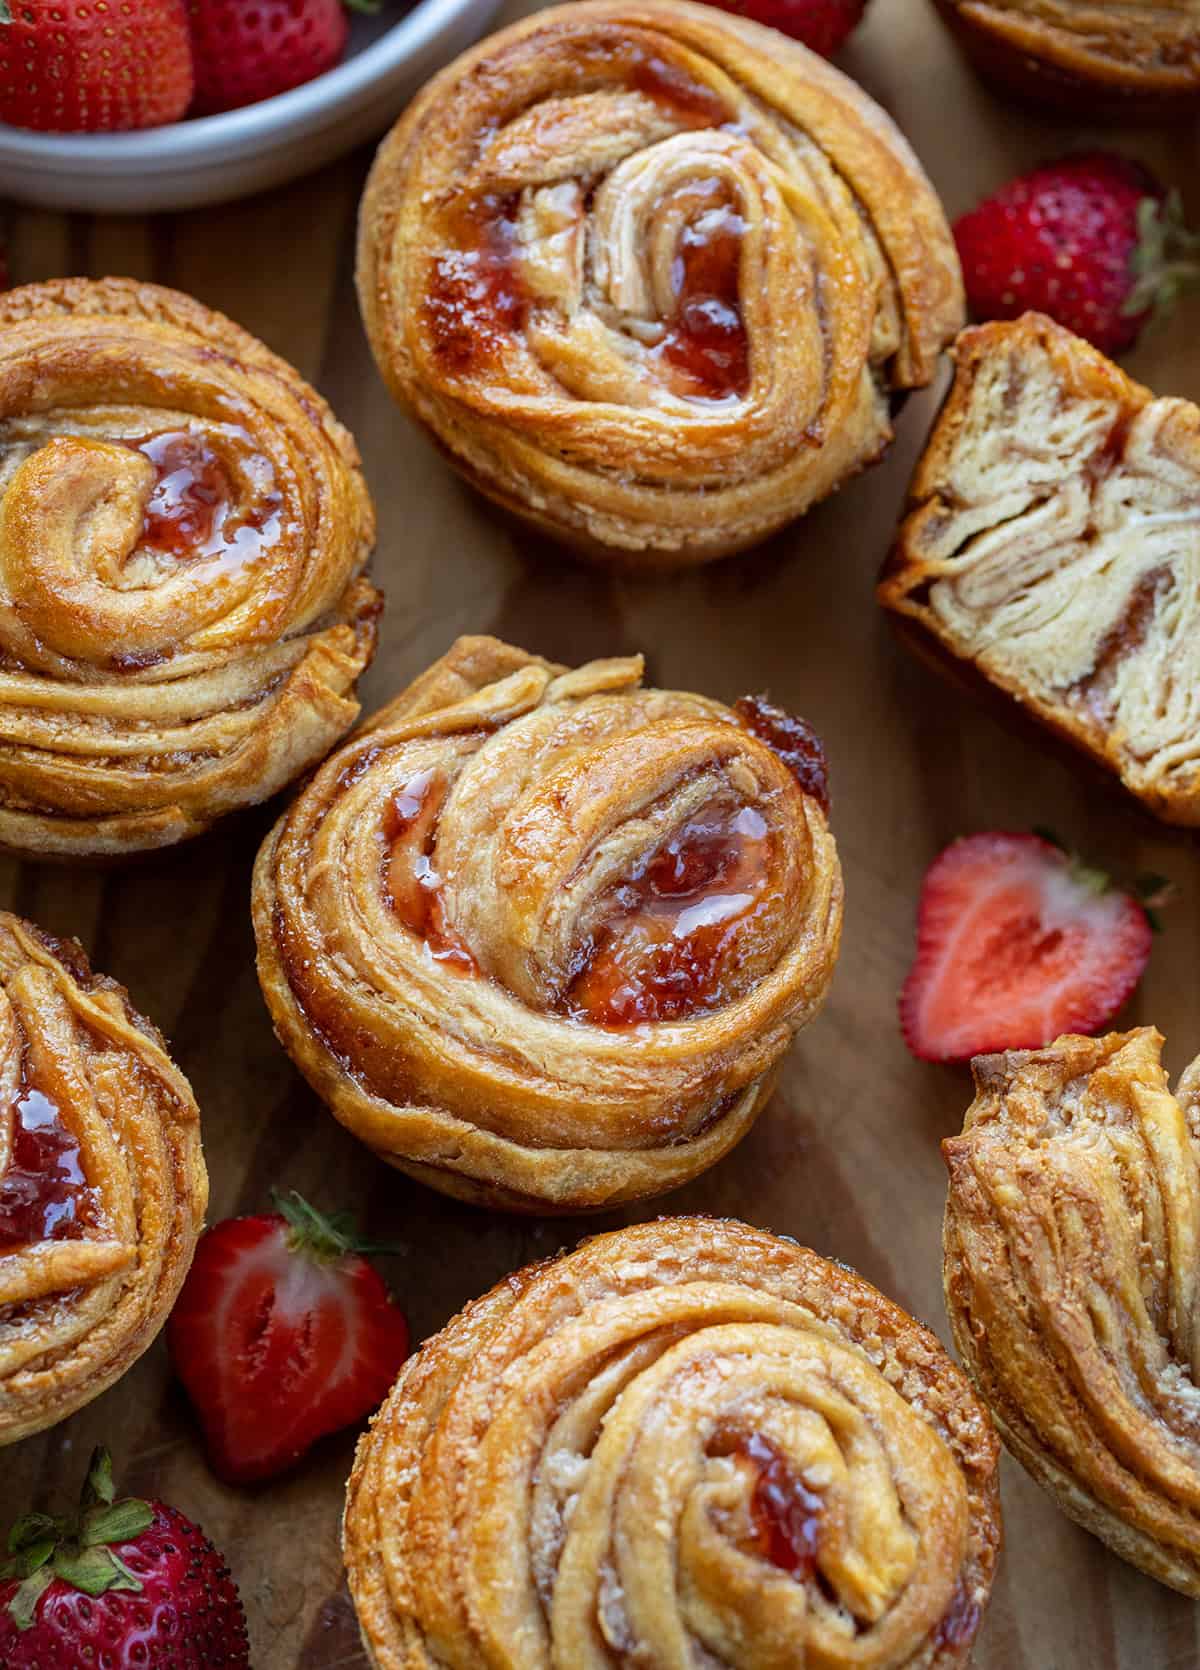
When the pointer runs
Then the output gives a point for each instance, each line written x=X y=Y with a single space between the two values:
x=215 y=158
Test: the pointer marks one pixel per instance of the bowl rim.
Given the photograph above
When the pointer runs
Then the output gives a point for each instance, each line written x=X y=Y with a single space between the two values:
x=315 y=102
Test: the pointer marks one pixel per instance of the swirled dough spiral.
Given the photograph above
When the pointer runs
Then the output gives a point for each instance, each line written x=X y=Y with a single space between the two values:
x=183 y=525
x=1052 y=551
x=540 y=936
x=1124 y=59
x=686 y=1443
x=651 y=273
x=1072 y=1274
x=102 y=1182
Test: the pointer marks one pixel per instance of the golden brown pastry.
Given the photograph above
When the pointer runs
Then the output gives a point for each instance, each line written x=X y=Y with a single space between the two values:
x=1072 y=1275
x=651 y=273
x=1123 y=59
x=183 y=525
x=685 y=1443
x=1050 y=552
x=102 y=1183
x=540 y=937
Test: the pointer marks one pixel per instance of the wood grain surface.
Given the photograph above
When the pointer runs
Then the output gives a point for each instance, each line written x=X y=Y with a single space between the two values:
x=846 y=1157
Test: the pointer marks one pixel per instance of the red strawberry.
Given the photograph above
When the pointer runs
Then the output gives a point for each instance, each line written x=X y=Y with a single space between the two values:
x=93 y=64
x=247 y=52
x=1017 y=943
x=283 y=1333
x=118 y=1585
x=1095 y=241
x=821 y=24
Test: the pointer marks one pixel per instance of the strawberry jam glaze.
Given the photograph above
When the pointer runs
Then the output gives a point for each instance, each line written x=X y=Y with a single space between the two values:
x=785 y=1515
x=413 y=886
x=794 y=740
x=674 y=922
x=43 y=1192
x=476 y=299
x=190 y=511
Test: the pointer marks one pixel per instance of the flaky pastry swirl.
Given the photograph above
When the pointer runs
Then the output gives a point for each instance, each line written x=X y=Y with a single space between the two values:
x=182 y=528
x=1124 y=59
x=102 y=1182
x=1072 y=1247
x=688 y=1442
x=539 y=937
x=650 y=274
x=1052 y=549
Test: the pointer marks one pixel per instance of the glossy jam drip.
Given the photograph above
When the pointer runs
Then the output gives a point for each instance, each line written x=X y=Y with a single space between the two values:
x=794 y=740
x=675 y=922
x=705 y=338
x=43 y=1192
x=413 y=885
x=191 y=493
x=191 y=510
x=476 y=300
x=785 y=1512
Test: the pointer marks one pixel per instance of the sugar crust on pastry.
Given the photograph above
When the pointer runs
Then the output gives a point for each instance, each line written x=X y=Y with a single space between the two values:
x=1072 y=1264
x=102 y=1181
x=183 y=526
x=540 y=936
x=687 y=1442
x=651 y=274
x=1052 y=551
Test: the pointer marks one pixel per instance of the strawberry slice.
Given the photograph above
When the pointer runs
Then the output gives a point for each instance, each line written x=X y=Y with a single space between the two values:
x=1017 y=943
x=282 y=1333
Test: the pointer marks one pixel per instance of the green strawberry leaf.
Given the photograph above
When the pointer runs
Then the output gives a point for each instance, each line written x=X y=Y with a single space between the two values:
x=317 y=1235
x=22 y=1608
x=31 y=1558
x=119 y=1523
x=1044 y=834
x=98 y=1486
x=93 y=1570
x=5 y=14
x=29 y=1530
x=1166 y=261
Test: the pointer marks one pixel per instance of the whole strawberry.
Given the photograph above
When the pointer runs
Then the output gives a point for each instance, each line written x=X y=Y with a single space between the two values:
x=244 y=53
x=282 y=1333
x=1094 y=240
x=117 y=1584
x=92 y=65
x=822 y=25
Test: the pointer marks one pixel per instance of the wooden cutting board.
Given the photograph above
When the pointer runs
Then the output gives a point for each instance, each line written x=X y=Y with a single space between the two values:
x=846 y=1157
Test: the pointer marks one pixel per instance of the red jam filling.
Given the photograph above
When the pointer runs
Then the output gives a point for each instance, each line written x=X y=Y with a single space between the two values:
x=43 y=1191
x=794 y=740
x=689 y=101
x=190 y=512
x=675 y=924
x=785 y=1513
x=705 y=340
x=476 y=300
x=413 y=885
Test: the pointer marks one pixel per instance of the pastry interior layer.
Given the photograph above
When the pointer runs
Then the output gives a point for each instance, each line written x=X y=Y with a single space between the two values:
x=1072 y=1246
x=688 y=1442
x=1053 y=546
x=651 y=273
x=541 y=936
x=1139 y=54
x=183 y=525
x=102 y=1182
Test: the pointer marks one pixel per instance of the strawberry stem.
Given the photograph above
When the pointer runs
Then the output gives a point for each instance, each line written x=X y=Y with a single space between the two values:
x=1166 y=262
x=316 y=1235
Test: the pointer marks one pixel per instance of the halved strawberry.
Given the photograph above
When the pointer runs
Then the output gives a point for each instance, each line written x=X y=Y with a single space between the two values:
x=282 y=1333
x=1017 y=943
